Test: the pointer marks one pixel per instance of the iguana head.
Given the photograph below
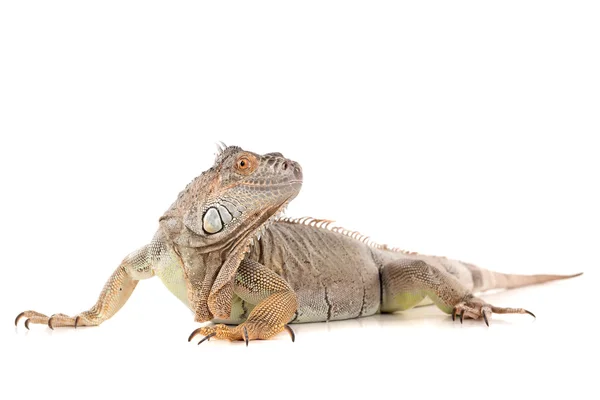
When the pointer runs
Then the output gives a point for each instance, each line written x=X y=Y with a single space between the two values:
x=236 y=197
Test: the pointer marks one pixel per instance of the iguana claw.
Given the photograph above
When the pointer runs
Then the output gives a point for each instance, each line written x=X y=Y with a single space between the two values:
x=194 y=333
x=246 y=331
x=484 y=313
x=31 y=316
x=207 y=338
x=54 y=321
x=198 y=332
x=476 y=308
x=291 y=332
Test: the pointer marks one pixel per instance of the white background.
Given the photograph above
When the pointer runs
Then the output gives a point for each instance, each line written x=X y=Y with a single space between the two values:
x=464 y=129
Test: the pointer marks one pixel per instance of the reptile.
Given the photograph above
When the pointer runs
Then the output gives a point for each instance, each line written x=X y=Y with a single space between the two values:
x=225 y=250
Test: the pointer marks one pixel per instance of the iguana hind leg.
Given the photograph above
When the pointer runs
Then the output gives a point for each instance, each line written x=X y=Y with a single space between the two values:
x=115 y=293
x=406 y=282
x=275 y=301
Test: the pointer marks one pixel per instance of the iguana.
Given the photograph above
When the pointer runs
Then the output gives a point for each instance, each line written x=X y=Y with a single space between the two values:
x=225 y=251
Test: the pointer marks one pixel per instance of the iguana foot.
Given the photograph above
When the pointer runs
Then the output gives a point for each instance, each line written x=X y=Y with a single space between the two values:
x=245 y=331
x=55 y=320
x=476 y=308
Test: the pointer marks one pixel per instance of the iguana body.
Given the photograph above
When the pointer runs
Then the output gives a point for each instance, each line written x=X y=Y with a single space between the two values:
x=221 y=251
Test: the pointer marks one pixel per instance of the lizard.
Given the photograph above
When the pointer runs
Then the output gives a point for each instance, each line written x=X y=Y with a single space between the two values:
x=224 y=249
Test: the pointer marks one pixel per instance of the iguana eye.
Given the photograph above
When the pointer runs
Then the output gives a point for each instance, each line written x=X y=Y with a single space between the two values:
x=246 y=164
x=243 y=163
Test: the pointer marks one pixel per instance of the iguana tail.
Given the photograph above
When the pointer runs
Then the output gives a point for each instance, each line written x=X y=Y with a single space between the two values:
x=484 y=279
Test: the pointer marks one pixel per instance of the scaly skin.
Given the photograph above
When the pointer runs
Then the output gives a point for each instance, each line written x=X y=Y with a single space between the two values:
x=221 y=252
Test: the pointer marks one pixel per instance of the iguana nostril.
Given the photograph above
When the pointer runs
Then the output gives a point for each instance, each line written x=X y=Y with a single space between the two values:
x=297 y=171
x=286 y=164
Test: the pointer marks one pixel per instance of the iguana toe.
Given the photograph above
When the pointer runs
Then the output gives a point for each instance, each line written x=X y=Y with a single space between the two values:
x=475 y=308
x=245 y=331
x=54 y=321
x=31 y=317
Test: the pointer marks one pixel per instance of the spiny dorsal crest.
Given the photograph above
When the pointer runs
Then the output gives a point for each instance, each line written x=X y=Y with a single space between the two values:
x=330 y=226
x=223 y=150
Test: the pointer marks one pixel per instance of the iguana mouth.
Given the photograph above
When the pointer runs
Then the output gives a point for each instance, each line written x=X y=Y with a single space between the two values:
x=262 y=185
x=270 y=183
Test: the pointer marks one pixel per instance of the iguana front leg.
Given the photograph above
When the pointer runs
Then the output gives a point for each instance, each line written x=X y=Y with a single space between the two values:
x=115 y=293
x=407 y=282
x=275 y=301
